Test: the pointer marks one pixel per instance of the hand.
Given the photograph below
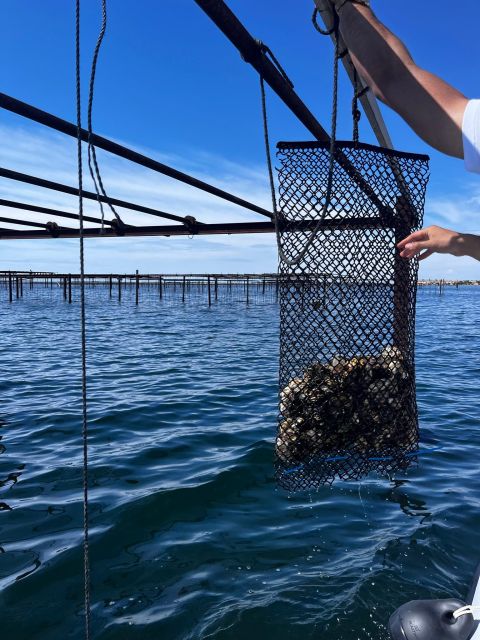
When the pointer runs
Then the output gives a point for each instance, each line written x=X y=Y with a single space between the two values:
x=431 y=240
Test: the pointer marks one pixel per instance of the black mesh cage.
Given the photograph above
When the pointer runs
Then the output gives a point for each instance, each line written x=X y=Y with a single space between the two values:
x=347 y=311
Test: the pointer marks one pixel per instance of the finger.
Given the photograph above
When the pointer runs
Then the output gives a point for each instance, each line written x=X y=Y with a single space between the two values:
x=413 y=237
x=413 y=249
x=427 y=254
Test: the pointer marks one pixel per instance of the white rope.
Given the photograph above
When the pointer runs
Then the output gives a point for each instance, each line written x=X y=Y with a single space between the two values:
x=465 y=611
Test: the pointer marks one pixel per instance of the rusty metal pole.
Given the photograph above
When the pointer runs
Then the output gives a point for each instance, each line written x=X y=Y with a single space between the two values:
x=401 y=278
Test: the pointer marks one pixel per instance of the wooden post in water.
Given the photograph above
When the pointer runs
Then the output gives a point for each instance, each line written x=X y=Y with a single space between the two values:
x=209 y=292
x=10 y=287
x=160 y=293
x=110 y=286
x=64 y=287
x=248 y=299
x=69 y=288
x=119 y=288
x=137 y=284
x=183 y=289
x=216 y=289
x=21 y=286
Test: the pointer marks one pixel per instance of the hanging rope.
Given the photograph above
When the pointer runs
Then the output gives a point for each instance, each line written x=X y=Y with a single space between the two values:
x=356 y=113
x=92 y=154
x=333 y=136
x=86 y=554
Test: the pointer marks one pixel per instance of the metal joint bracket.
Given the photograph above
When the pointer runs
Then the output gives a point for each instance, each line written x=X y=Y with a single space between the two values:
x=53 y=228
x=118 y=227
x=191 y=224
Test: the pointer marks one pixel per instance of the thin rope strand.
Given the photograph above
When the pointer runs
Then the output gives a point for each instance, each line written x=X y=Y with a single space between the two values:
x=86 y=552
x=464 y=611
x=92 y=154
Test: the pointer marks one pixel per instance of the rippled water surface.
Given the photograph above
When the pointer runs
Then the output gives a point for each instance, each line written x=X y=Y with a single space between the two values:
x=190 y=537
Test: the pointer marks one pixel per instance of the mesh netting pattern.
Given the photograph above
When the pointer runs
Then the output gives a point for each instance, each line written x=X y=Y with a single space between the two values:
x=347 y=312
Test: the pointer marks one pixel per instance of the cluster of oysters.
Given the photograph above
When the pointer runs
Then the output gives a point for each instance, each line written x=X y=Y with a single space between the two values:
x=361 y=405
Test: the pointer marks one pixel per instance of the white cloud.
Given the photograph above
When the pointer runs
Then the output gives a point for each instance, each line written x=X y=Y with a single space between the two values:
x=52 y=156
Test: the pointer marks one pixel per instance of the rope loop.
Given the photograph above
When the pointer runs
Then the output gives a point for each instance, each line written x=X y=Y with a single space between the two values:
x=324 y=32
x=267 y=52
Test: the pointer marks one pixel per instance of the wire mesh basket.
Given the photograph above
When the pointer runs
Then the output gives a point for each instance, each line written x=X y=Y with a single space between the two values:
x=347 y=311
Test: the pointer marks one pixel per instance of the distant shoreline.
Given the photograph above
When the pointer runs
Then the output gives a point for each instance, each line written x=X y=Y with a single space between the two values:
x=448 y=283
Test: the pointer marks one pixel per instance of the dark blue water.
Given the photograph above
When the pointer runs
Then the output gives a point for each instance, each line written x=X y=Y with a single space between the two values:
x=190 y=537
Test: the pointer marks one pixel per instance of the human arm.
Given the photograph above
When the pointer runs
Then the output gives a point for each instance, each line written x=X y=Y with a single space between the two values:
x=432 y=107
x=438 y=240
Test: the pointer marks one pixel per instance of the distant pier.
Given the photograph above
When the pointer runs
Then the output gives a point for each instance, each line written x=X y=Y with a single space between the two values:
x=213 y=287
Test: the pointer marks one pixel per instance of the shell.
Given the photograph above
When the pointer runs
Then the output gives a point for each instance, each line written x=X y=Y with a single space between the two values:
x=353 y=404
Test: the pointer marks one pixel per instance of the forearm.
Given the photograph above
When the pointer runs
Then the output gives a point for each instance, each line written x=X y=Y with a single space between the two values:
x=432 y=108
x=386 y=60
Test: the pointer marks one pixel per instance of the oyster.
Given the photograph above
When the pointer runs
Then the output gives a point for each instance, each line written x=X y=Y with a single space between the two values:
x=361 y=405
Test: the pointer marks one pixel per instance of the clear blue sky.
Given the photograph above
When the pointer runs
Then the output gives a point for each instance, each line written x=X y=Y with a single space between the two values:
x=170 y=83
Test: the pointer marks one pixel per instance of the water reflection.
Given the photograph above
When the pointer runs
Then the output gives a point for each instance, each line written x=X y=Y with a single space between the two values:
x=10 y=478
x=410 y=505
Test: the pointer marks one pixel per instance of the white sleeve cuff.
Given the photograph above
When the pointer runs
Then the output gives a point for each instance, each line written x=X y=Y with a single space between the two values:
x=471 y=136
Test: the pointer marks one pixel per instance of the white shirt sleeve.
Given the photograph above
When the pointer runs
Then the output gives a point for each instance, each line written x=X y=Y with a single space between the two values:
x=471 y=136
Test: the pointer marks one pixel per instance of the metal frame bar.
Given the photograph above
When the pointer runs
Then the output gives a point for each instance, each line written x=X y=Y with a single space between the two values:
x=63 y=188
x=30 y=223
x=25 y=206
x=253 y=52
x=58 y=124
x=225 y=228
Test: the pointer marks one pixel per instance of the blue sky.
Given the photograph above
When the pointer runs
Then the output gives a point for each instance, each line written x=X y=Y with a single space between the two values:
x=170 y=84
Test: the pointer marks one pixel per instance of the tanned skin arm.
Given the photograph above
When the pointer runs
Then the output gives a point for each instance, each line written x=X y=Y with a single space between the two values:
x=432 y=108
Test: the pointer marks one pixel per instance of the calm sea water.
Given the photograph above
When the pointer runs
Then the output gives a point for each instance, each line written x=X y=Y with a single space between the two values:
x=190 y=537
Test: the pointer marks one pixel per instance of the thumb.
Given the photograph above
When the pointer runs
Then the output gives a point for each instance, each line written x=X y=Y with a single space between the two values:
x=427 y=254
